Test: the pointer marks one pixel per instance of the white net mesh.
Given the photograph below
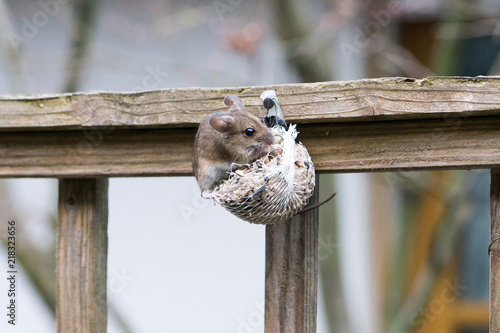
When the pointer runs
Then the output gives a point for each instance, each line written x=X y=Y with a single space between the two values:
x=273 y=188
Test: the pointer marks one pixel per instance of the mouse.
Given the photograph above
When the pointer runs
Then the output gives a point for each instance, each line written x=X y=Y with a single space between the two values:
x=226 y=140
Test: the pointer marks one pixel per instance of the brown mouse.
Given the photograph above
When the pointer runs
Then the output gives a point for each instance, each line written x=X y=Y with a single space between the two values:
x=224 y=138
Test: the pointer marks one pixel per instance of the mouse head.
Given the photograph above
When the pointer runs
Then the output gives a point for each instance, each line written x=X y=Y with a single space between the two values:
x=244 y=137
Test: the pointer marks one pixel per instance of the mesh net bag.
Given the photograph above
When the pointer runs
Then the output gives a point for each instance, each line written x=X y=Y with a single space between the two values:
x=273 y=188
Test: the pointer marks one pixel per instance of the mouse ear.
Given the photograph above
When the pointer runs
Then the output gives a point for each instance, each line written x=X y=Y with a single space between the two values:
x=222 y=124
x=234 y=102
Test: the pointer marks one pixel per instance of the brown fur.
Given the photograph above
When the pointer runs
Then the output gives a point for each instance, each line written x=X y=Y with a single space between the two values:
x=215 y=151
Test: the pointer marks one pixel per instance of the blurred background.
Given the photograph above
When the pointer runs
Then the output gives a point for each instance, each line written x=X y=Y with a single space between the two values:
x=399 y=252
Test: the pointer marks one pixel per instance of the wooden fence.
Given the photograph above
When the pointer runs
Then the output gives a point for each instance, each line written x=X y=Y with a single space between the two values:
x=371 y=125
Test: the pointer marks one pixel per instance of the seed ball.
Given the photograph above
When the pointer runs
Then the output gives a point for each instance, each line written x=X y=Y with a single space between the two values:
x=273 y=188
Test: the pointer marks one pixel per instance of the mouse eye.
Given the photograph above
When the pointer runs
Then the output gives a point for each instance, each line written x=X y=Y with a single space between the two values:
x=249 y=132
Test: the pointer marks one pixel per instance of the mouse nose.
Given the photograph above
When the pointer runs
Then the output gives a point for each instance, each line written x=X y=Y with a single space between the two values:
x=268 y=142
x=269 y=139
x=266 y=149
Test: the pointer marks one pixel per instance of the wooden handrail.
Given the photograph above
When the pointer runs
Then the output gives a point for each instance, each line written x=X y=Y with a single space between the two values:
x=359 y=126
x=322 y=102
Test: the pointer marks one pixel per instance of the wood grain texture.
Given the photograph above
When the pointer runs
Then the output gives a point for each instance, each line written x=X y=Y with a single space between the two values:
x=82 y=243
x=77 y=154
x=495 y=252
x=463 y=143
x=362 y=100
x=459 y=143
x=292 y=273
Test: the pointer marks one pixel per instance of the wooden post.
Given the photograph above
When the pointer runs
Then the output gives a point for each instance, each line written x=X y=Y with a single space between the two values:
x=495 y=251
x=82 y=243
x=292 y=273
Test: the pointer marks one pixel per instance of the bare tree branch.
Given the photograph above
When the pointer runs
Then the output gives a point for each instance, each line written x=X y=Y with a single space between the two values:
x=86 y=12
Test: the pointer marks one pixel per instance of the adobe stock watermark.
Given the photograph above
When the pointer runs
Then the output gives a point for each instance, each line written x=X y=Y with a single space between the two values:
x=117 y=282
x=253 y=322
x=326 y=247
x=429 y=146
x=429 y=314
x=394 y=179
x=93 y=138
x=198 y=203
x=222 y=7
x=153 y=79
x=379 y=20
x=31 y=26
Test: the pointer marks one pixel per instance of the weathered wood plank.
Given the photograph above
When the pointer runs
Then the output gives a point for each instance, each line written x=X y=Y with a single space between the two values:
x=292 y=273
x=462 y=143
x=394 y=98
x=466 y=143
x=77 y=154
x=82 y=246
x=495 y=252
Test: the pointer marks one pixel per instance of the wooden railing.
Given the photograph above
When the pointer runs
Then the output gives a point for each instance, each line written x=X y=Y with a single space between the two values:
x=358 y=126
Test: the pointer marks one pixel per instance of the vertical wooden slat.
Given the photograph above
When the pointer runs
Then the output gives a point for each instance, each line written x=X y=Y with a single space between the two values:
x=82 y=243
x=292 y=273
x=495 y=251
